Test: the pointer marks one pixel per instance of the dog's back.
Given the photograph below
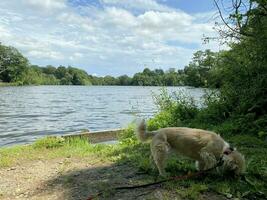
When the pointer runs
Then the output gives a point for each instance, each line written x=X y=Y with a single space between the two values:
x=189 y=141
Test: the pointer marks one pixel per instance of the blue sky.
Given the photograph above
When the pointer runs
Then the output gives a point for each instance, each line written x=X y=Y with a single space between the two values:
x=108 y=37
x=190 y=6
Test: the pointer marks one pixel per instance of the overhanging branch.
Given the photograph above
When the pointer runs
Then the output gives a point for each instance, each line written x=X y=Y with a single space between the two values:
x=238 y=32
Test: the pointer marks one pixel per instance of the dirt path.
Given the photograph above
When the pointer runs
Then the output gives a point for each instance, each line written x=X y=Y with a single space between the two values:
x=72 y=178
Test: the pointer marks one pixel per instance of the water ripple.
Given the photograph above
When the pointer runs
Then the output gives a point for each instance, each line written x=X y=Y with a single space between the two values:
x=28 y=113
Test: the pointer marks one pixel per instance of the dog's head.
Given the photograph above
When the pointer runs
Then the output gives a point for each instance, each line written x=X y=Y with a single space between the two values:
x=233 y=161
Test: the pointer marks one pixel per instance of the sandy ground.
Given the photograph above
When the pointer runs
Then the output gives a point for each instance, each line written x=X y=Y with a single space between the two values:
x=71 y=178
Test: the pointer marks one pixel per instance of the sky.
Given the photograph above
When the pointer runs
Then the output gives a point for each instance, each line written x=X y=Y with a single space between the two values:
x=108 y=37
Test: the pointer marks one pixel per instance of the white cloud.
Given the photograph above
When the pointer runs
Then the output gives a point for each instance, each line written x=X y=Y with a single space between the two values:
x=4 y=33
x=76 y=55
x=144 y=5
x=46 y=5
x=105 y=40
x=45 y=54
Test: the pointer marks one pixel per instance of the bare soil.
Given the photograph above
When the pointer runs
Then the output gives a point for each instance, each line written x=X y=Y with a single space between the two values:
x=73 y=178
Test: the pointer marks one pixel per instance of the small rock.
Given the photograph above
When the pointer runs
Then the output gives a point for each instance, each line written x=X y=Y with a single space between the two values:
x=12 y=168
x=76 y=173
x=60 y=163
x=158 y=195
x=19 y=196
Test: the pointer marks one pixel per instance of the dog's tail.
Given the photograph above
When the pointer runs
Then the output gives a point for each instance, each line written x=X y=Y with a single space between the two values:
x=141 y=132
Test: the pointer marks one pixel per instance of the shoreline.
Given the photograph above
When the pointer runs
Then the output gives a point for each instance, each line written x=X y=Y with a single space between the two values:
x=96 y=137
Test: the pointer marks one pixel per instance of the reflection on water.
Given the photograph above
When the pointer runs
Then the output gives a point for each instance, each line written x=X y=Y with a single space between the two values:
x=27 y=113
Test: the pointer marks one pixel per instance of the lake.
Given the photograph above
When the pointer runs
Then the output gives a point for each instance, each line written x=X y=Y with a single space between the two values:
x=30 y=112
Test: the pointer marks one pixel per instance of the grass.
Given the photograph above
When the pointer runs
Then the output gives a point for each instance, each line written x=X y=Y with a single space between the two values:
x=50 y=148
x=253 y=185
x=2 y=84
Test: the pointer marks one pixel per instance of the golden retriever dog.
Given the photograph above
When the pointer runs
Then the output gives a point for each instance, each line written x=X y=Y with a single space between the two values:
x=205 y=147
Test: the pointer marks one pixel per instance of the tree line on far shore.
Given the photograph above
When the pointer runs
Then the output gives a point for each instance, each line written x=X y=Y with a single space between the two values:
x=202 y=71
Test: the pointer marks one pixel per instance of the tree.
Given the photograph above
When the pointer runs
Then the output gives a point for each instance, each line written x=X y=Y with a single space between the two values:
x=49 y=69
x=12 y=64
x=109 y=80
x=61 y=72
x=243 y=68
x=67 y=79
x=79 y=77
x=171 y=78
x=198 y=72
x=124 y=80
x=242 y=17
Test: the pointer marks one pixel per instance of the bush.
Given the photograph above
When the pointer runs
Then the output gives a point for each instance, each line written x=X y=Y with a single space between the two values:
x=161 y=120
x=216 y=113
x=128 y=137
x=176 y=109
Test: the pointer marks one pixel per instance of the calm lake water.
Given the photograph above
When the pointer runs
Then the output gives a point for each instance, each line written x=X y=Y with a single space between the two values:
x=28 y=113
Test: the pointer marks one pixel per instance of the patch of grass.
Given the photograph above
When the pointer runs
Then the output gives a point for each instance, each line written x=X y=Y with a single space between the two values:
x=49 y=142
x=12 y=155
x=53 y=147
x=192 y=192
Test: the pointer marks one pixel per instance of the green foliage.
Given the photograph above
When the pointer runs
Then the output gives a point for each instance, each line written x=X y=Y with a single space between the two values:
x=161 y=120
x=14 y=68
x=124 y=80
x=158 y=77
x=128 y=137
x=176 y=109
x=198 y=72
x=79 y=77
x=12 y=64
x=240 y=104
x=49 y=142
x=34 y=76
